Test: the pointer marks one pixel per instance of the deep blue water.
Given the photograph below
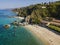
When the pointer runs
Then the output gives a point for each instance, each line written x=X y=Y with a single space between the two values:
x=14 y=36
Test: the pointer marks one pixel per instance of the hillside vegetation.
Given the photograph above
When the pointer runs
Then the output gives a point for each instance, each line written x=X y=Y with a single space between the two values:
x=40 y=11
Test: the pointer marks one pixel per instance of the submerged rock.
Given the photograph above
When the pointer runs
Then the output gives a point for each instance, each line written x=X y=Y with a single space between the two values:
x=15 y=23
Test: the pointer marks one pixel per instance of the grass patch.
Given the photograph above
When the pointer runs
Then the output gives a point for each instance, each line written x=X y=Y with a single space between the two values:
x=54 y=28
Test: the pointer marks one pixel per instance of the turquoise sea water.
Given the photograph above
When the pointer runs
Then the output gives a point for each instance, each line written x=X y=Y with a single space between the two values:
x=15 y=36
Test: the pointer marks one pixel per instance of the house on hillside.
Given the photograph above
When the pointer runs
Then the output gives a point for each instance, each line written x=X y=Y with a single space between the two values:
x=43 y=7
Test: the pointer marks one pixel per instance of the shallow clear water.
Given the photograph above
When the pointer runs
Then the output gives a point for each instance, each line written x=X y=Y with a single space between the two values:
x=15 y=36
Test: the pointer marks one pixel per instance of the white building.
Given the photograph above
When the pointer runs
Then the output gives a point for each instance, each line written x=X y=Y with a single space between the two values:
x=43 y=7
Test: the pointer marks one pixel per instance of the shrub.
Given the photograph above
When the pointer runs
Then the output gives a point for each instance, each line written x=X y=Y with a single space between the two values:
x=54 y=28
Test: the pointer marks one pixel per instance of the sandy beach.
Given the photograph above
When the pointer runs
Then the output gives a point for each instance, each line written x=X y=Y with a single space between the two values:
x=19 y=17
x=48 y=37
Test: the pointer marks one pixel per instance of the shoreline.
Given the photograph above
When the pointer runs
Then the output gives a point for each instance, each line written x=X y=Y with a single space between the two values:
x=18 y=17
x=43 y=34
x=37 y=35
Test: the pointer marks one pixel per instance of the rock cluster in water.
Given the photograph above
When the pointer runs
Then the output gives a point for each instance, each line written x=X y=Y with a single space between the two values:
x=7 y=26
